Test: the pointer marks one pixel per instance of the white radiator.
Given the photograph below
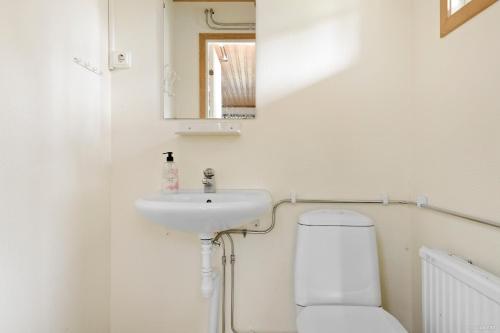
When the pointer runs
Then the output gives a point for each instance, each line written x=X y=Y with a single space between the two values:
x=458 y=297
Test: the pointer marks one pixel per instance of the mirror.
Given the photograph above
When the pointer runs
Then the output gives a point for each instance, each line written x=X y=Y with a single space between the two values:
x=209 y=60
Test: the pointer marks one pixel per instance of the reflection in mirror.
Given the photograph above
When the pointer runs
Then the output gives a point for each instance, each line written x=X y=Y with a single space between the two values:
x=227 y=75
x=209 y=60
x=455 y=5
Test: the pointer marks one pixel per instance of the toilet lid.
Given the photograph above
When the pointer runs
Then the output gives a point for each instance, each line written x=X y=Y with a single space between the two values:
x=347 y=319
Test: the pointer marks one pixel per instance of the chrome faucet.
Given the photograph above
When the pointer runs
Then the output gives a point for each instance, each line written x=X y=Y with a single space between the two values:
x=208 y=180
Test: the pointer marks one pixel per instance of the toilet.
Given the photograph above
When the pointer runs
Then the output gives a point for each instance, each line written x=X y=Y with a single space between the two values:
x=337 y=284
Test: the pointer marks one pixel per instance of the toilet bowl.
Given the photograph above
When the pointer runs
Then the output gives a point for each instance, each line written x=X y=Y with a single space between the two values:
x=347 y=319
x=337 y=287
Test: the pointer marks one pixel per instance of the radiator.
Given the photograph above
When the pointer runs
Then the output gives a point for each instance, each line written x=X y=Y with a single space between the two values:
x=458 y=297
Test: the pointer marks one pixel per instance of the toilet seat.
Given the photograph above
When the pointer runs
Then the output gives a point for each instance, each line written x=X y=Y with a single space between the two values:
x=347 y=319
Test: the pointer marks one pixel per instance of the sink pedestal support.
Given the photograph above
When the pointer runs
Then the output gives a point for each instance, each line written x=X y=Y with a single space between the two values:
x=207 y=278
x=210 y=282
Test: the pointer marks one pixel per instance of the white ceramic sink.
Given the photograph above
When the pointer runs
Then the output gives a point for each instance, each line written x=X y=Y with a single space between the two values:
x=205 y=213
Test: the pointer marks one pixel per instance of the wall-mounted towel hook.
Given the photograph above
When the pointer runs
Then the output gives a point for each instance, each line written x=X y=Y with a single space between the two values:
x=87 y=65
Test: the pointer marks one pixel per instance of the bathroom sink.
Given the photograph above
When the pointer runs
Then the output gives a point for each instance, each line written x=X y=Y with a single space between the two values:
x=205 y=213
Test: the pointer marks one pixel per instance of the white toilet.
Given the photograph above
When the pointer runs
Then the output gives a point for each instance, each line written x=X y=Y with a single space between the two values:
x=337 y=287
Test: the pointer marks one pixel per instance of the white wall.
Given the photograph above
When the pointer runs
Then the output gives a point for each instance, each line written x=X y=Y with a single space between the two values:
x=54 y=168
x=455 y=128
x=333 y=126
x=338 y=125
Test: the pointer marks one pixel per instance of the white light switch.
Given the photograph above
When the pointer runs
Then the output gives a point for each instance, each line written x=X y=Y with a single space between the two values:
x=122 y=59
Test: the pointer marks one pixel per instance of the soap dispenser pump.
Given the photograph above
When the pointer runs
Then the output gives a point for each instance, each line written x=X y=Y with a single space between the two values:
x=170 y=175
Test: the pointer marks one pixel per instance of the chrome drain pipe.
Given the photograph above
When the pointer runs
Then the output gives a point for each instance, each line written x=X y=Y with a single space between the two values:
x=232 y=262
x=223 y=285
x=386 y=202
x=309 y=201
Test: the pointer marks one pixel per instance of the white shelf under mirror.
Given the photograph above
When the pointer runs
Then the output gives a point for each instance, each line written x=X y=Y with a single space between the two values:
x=208 y=127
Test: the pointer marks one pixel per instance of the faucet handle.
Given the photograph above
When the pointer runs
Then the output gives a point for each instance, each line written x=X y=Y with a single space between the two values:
x=209 y=172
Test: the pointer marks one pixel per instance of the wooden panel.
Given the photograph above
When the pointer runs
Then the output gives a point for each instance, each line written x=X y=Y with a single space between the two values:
x=238 y=75
x=204 y=37
x=451 y=22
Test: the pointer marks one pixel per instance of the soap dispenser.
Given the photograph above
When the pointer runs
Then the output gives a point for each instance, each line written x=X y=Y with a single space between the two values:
x=170 y=175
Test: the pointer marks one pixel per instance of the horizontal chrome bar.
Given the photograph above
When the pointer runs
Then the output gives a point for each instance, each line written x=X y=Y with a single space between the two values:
x=462 y=216
x=227 y=24
x=361 y=202
x=215 y=26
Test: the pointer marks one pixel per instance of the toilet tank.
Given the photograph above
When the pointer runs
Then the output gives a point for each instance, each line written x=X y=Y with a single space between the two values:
x=336 y=259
